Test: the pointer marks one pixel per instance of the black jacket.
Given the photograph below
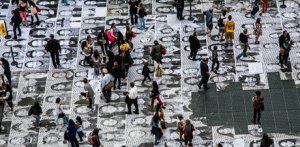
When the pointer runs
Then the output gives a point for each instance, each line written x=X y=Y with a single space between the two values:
x=16 y=20
x=194 y=43
x=146 y=71
x=53 y=46
x=142 y=13
x=284 y=39
x=179 y=4
x=204 y=69
x=5 y=65
x=35 y=111
x=117 y=72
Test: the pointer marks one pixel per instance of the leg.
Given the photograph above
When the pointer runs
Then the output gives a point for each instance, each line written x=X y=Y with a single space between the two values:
x=149 y=77
x=37 y=18
x=131 y=18
x=115 y=82
x=135 y=103
x=258 y=116
x=90 y=102
x=109 y=94
x=53 y=59
x=281 y=58
x=31 y=20
x=201 y=82
x=80 y=134
x=129 y=103
x=152 y=102
x=159 y=101
x=213 y=64
x=194 y=54
x=119 y=83
x=19 y=29
x=15 y=31
x=143 y=22
x=254 y=115
x=136 y=18
x=144 y=79
x=178 y=16
x=286 y=57
x=205 y=82
x=218 y=64
x=57 y=58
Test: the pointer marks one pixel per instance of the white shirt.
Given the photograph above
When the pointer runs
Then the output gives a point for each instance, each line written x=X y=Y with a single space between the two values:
x=133 y=93
x=58 y=109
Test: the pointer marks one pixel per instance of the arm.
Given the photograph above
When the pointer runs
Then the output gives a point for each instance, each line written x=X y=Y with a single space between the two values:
x=7 y=94
x=112 y=33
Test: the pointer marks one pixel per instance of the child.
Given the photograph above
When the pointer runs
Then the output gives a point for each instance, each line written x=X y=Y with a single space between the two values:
x=79 y=127
x=146 y=72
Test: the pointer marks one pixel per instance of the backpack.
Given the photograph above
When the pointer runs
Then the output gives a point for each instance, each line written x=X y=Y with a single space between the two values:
x=90 y=139
x=220 y=22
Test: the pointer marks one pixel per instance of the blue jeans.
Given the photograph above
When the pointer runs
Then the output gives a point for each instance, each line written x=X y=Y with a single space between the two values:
x=142 y=22
x=37 y=119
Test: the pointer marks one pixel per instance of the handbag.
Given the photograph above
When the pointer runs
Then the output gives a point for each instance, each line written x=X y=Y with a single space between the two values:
x=109 y=85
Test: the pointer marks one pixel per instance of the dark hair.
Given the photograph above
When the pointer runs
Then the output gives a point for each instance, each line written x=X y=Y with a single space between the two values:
x=224 y=12
x=83 y=44
x=71 y=122
x=31 y=3
x=155 y=85
x=112 y=25
x=95 y=132
x=155 y=118
x=78 y=119
x=187 y=122
x=258 y=20
x=85 y=80
x=96 y=54
x=36 y=104
x=215 y=47
x=8 y=88
x=180 y=116
x=155 y=42
x=229 y=17
x=258 y=93
x=219 y=145
x=194 y=34
x=51 y=36
x=131 y=84
x=158 y=108
x=57 y=100
x=88 y=37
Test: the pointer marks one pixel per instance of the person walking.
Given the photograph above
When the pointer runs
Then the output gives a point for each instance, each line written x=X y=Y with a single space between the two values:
x=244 y=44
x=93 y=138
x=180 y=126
x=133 y=6
x=156 y=128
x=6 y=67
x=179 y=8
x=107 y=84
x=257 y=30
x=79 y=127
x=23 y=11
x=89 y=92
x=54 y=48
x=131 y=98
x=36 y=111
x=285 y=43
x=215 y=59
x=118 y=74
x=102 y=41
x=194 y=46
x=188 y=135
x=158 y=70
x=221 y=25
x=204 y=73
x=8 y=96
x=229 y=31
x=72 y=130
x=156 y=51
x=59 y=112
x=142 y=13
x=145 y=72
x=155 y=95
x=87 y=53
x=258 y=106
x=264 y=5
x=16 y=21
x=34 y=12
x=209 y=21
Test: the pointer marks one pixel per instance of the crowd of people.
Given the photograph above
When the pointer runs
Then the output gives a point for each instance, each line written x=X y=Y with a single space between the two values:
x=112 y=63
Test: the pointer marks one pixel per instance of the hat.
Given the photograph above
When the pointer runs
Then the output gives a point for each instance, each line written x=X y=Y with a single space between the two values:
x=104 y=70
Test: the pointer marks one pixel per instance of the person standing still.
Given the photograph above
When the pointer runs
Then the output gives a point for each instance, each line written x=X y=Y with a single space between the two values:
x=107 y=84
x=146 y=71
x=204 y=73
x=229 y=31
x=23 y=11
x=215 y=59
x=179 y=7
x=244 y=44
x=142 y=13
x=209 y=21
x=194 y=46
x=131 y=98
x=6 y=68
x=221 y=25
x=133 y=7
x=258 y=106
x=54 y=48
x=89 y=92
x=34 y=12
x=258 y=30
x=16 y=21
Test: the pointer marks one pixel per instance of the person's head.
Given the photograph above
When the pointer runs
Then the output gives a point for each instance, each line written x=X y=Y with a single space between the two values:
x=219 y=145
x=158 y=108
x=180 y=116
x=215 y=47
x=265 y=136
x=145 y=63
x=258 y=93
x=96 y=54
x=187 y=122
x=104 y=59
x=95 y=132
x=83 y=44
x=258 y=20
x=195 y=34
x=224 y=12
x=85 y=81
x=78 y=119
x=205 y=60
x=51 y=36
x=89 y=38
x=131 y=84
x=285 y=33
x=155 y=42
x=229 y=17
x=71 y=122
x=245 y=31
x=113 y=25
x=31 y=3
x=158 y=60
x=141 y=6
x=36 y=104
x=57 y=101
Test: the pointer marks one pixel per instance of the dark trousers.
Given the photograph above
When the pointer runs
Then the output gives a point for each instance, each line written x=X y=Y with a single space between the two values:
x=214 y=61
x=193 y=54
x=134 y=102
x=106 y=94
x=15 y=27
x=80 y=134
x=145 y=77
x=285 y=58
x=244 y=54
x=90 y=102
x=135 y=19
x=55 y=58
x=8 y=76
x=119 y=83
x=188 y=140
x=104 y=48
x=9 y=103
x=256 y=114
x=73 y=141
x=37 y=18
x=179 y=13
x=204 y=81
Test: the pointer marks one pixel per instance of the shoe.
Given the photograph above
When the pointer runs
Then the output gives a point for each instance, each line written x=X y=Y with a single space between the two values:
x=107 y=101
x=206 y=88
x=128 y=112
x=135 y=112
x=15 y=38
x=194 y=59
